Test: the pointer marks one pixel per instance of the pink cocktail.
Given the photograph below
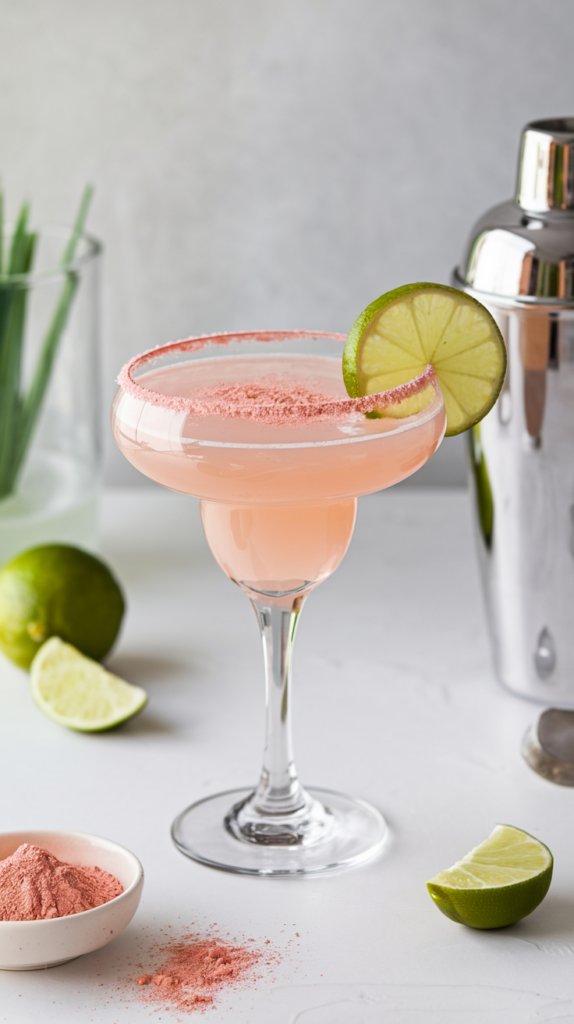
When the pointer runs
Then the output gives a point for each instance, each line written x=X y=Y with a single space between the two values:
x=260 y=428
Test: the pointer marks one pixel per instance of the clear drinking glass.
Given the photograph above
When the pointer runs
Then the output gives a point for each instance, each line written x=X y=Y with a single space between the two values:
x=50 y=456
x=260 y=428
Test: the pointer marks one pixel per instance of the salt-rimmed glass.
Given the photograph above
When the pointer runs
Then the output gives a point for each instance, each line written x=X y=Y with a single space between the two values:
x=259 y=427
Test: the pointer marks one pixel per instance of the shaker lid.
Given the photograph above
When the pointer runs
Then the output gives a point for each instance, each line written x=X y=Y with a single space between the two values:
x=524 y=248
x=546 y=166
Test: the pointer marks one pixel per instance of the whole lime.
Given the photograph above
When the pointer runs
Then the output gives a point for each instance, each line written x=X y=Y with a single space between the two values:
x=58 y=590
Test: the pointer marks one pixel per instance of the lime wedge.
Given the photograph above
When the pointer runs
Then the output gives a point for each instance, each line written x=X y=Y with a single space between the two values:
x=497 y=883
x=77 y=692
x=403 y=331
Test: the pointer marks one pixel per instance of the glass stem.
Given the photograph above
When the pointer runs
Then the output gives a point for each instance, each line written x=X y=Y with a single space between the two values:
x=279 y=790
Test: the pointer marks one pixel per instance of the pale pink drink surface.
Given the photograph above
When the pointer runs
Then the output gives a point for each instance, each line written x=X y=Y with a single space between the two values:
x=278 y=486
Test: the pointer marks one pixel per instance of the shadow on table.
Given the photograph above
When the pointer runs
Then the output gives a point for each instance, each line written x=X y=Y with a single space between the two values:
x=148 y=724
x=550 y=927
x=146 y=669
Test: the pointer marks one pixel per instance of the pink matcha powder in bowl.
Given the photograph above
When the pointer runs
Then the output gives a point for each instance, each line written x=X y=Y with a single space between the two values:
x=27 y=945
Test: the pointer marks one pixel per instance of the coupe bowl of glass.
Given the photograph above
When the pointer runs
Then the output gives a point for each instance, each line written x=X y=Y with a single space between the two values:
x=259 y=427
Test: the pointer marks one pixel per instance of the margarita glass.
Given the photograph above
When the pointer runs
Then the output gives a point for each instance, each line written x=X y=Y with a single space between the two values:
x=259 y=427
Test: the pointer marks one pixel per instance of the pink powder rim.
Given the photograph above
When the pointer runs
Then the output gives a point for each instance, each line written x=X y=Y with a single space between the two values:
x=314 y=408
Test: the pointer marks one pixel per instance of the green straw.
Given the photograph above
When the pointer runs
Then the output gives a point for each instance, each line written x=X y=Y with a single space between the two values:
x=19 y=412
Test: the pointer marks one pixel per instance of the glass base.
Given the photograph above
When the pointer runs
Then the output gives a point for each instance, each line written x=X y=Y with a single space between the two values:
x=548 y=746
x=208 y=832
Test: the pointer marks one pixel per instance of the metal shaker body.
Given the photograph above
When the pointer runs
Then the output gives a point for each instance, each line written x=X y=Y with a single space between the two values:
x=520 y=264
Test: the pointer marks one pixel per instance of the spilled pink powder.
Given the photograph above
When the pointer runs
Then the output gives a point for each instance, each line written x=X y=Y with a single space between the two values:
x=180 y=973
x=35 y=885
x=197 y=969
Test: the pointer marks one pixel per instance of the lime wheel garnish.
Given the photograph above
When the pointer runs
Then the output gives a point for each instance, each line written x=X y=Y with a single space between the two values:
x=405 y=330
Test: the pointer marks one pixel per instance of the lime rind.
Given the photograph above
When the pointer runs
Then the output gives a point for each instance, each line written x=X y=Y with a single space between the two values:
x=405 y=329
x=498 y=883
x=79 y=693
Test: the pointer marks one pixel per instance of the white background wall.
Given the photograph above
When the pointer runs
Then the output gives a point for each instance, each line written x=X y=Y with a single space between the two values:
x=271 y=163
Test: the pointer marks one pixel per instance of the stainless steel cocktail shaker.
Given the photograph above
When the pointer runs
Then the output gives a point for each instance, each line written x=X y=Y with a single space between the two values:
x=519 y=262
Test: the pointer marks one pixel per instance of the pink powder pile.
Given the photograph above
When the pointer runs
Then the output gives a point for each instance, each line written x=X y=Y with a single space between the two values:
x=268 y=400
x=196 y=970
x=35 y=885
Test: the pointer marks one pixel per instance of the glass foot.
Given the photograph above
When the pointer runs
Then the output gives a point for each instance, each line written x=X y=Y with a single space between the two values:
x=250 y=822
x=332 y=832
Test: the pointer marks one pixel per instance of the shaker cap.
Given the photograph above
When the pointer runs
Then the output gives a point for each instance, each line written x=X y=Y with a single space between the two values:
x=524 y=249
x=546 y=166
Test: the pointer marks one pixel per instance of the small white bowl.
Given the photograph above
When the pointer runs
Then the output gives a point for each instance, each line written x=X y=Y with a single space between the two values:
x=30 y=945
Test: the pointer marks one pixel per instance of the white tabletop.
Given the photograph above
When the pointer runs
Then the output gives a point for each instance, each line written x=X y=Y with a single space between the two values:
x=394 y=701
